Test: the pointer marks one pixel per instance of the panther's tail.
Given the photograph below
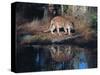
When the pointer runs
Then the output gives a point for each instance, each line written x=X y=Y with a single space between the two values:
x=48 y=30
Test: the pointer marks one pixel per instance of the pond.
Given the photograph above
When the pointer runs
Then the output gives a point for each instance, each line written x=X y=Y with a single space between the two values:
x=54 y=57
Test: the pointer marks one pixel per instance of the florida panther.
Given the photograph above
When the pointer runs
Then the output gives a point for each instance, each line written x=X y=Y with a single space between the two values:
x=60 y=22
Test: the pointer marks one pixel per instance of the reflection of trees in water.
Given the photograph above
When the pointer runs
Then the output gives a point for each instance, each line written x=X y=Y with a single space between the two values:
x=69 y=57
x=80 y=60
x=59 y=57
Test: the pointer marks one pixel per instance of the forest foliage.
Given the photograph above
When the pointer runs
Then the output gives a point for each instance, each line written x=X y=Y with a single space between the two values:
x=83 y=17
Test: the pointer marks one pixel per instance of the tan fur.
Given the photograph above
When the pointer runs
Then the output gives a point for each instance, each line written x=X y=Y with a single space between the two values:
x=60 y=22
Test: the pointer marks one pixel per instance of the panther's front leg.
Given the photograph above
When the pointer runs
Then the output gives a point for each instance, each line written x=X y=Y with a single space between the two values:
x=69 y=30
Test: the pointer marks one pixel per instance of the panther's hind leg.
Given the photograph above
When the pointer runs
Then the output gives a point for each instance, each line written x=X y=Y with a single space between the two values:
x=58 y=31
x=52 y=30
x=65 y=29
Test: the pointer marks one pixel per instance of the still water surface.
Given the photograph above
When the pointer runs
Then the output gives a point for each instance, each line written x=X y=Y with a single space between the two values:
x=55 y=57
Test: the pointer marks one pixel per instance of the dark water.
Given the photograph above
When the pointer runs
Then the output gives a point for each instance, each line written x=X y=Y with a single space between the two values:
x=54 y=57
